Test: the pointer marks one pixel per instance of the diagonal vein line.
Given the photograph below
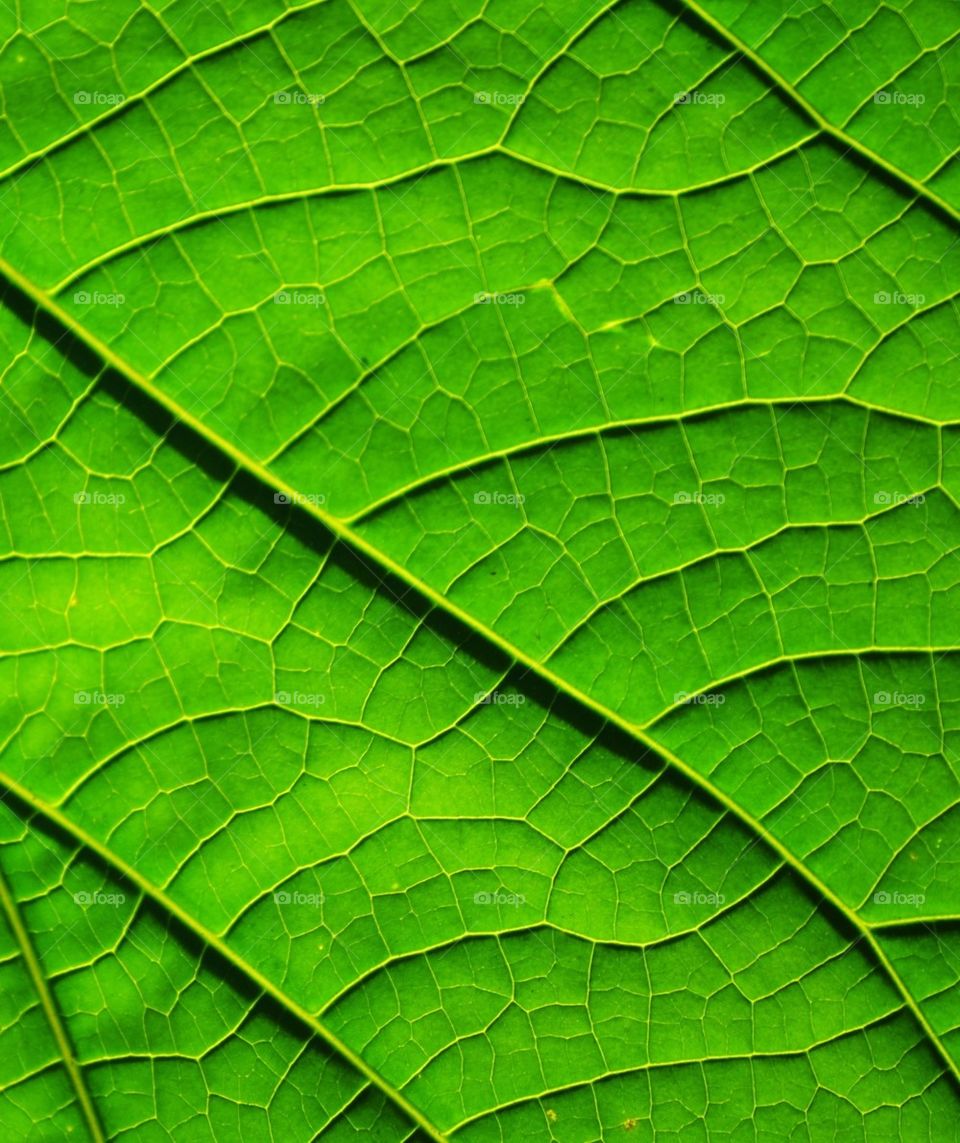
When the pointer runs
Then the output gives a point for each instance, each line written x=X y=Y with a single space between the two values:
x=847 y=141
x=211 y=940
x=356 y=543
x=187 y=64
x=9 y=908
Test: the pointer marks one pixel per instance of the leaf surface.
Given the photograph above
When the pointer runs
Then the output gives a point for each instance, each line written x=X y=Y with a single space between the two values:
x=479 y=588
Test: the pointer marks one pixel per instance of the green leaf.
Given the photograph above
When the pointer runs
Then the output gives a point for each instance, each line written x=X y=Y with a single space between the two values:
x=479 y=578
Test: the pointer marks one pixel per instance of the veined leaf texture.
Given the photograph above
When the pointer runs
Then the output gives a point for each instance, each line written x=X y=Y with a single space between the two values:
x=478 y=571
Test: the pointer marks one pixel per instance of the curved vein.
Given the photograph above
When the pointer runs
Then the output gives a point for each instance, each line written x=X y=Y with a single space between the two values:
x=838 y=134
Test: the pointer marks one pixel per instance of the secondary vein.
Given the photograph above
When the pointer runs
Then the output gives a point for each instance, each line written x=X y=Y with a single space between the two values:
x=921 y=190
x=12 y=913
x=213 y=941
